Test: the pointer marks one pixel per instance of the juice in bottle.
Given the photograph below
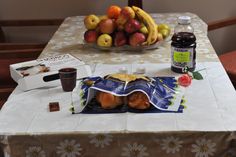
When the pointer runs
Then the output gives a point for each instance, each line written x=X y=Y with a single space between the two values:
x=183 y=46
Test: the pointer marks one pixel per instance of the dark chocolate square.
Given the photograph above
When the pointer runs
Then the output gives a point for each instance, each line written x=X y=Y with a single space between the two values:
x=54 y=106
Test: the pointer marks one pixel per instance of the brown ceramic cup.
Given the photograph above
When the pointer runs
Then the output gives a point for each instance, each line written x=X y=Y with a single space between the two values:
x=68 y=78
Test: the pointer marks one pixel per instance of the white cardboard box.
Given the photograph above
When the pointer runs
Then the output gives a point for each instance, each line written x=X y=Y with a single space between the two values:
x=44 y=72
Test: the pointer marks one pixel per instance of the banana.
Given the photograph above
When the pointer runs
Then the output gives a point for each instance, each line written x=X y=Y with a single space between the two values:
x=150 y=23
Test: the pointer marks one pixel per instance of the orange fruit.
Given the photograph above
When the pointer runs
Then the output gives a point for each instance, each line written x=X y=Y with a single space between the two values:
x=113 y=11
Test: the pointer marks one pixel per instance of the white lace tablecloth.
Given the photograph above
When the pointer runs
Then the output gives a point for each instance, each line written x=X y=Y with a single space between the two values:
x=206 y=128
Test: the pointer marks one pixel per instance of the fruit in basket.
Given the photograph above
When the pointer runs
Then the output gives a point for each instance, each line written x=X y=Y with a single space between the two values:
x=104 y=40
x=137 y=39
x=120 y=22
x=164 y=29
x=113 y=11
x=127 y=26
x=159 y=37
x=157 y=27
x=120 y=27
x=91 y=21
x=125 y=14
x=120 y=38
x=165 y=33
x=163 y=26
x=128 y=12
x=150 y=23
x=107 y=26
x=103 y=17
x=132 y=26
x=143 y=29
x=90 y=36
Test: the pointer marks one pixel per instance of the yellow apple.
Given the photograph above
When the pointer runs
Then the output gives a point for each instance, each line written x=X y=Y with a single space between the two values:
x=103 y=17
x=165 y=33
x=91 y=21
x=159 y=37
x=144 y=30
x=164 y=29
x=104 y=40
x=163 y=26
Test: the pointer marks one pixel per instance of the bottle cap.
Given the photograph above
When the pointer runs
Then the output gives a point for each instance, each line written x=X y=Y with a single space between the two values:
x=184 y=20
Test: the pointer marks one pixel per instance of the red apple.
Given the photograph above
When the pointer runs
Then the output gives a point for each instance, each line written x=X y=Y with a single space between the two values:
x=137 y=39
x=127 y=12
x=107 y=26
x=132 y=26
x=120 y=39
x=90 y=36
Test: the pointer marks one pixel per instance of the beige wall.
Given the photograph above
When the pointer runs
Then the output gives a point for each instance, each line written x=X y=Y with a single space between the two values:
x=208 y=10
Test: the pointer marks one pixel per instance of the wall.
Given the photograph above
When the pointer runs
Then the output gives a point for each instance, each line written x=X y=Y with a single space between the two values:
x=208 y=10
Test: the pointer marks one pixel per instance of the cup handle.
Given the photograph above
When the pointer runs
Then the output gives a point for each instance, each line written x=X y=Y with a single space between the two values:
x=52 y=77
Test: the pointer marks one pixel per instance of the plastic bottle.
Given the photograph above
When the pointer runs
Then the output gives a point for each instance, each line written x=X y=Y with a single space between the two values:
x=183 y=46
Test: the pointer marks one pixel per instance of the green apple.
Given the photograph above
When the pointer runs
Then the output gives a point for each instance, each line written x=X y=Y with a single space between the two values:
x=104 y=40
x=91 y=21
